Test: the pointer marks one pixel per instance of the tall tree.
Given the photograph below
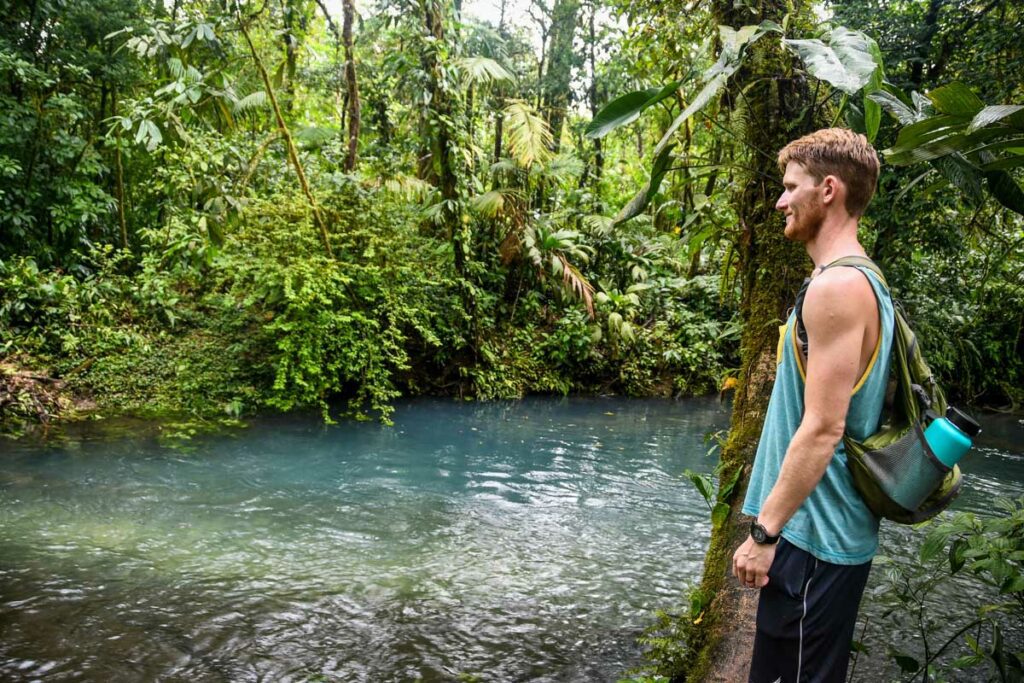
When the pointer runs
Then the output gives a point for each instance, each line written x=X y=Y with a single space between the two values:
x=353 y=106
x=557 y=82
x=771 y=270
x=444 y=126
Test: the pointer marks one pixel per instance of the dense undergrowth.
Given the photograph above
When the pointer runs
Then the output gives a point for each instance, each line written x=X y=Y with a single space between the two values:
x=266 y=320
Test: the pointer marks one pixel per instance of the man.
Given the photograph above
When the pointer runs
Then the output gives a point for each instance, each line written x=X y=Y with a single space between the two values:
x=812 y=538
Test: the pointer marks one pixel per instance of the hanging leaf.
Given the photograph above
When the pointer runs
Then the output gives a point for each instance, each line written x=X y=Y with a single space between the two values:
x=963 y=175
x=626 y=109
x=872 y=109
x=1006 y=191
x=846 y=62
x=646 y=194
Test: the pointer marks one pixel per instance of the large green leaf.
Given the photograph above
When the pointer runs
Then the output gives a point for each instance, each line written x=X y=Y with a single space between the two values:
x=872 y=109
x=646 y=194
x=734 y=40
x=846 y=62
x=626 y=109
x=956 y=99
x=1006 y=190
x=927 y=139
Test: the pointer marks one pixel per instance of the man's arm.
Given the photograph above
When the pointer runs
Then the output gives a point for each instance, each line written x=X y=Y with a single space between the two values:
x=836 y=314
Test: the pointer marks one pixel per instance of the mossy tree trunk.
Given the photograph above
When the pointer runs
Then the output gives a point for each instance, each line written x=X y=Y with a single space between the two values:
x=770 y=100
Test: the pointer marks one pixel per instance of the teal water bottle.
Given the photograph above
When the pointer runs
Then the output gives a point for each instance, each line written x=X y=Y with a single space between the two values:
x=950 y=437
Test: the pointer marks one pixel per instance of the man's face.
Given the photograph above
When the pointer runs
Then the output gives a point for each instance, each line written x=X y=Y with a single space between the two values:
x=801 y=203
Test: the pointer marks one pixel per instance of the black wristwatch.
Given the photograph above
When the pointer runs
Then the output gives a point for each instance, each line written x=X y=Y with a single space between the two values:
x=761 y=535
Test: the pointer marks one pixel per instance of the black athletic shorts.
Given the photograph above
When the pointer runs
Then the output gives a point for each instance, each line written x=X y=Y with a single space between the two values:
x=805 y=618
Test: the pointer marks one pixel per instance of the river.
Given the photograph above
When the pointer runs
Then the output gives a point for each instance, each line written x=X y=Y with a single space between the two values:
x=518 y=541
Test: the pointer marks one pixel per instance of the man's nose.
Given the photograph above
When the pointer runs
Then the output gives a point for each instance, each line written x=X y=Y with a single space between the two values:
x=782 y=202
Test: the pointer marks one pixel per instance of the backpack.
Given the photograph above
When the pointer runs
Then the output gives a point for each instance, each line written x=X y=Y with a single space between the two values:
x=894 y=470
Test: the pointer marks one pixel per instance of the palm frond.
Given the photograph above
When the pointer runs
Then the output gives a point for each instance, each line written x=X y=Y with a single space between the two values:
x=407 y=186
x=254 y=100
x=483 y=70
x=576 y=284
x=503 y=166
x=599 y=225
x=563 y=167
x=489 y=204
x=528 y=134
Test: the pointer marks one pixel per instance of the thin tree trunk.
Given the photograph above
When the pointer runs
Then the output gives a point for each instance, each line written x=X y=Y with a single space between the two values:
x=499 y=119
x=353 y=105
x=121 y=220
x=293 y=152
x=291 y=49
x=499 y=129
x=598 y=152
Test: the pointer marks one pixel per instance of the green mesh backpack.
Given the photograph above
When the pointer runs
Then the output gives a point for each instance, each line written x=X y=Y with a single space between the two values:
x=894 y=470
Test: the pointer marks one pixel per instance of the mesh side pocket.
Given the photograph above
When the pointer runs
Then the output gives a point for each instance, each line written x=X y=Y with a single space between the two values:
x=906 y=470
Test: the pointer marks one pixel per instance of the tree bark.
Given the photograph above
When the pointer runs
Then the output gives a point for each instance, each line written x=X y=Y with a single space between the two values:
x=770 y=270
x=352 y=86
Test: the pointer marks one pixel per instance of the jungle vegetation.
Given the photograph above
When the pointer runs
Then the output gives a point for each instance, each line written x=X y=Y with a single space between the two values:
x=220 y=207
x=216 y=207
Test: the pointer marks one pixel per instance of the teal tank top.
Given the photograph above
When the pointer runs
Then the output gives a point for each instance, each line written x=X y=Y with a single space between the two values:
x=833 y=524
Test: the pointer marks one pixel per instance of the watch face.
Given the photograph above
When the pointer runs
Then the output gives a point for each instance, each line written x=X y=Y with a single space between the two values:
x=758 y=533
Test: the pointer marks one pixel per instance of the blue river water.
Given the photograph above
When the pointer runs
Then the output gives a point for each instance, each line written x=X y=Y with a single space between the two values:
x=520 y=541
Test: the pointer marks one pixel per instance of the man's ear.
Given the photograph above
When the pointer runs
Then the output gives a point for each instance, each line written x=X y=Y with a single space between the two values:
x=831 y=189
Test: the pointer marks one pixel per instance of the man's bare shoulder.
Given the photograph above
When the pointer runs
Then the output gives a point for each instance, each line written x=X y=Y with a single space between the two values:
x=839 y=296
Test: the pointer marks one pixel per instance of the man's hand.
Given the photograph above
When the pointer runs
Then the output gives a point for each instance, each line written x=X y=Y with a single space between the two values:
x=751 y=562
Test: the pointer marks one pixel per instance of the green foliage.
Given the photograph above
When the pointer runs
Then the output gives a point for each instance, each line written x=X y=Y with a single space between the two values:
x=991 y=551
x=478 y=251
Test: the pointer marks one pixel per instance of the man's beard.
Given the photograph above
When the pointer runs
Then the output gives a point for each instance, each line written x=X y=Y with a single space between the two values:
x=806 y=223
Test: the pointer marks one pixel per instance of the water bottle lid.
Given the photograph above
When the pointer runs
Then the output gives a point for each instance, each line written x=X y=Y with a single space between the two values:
x=962 y=421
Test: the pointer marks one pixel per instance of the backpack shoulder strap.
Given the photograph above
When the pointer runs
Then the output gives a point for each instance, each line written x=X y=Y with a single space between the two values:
x=862 y=261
